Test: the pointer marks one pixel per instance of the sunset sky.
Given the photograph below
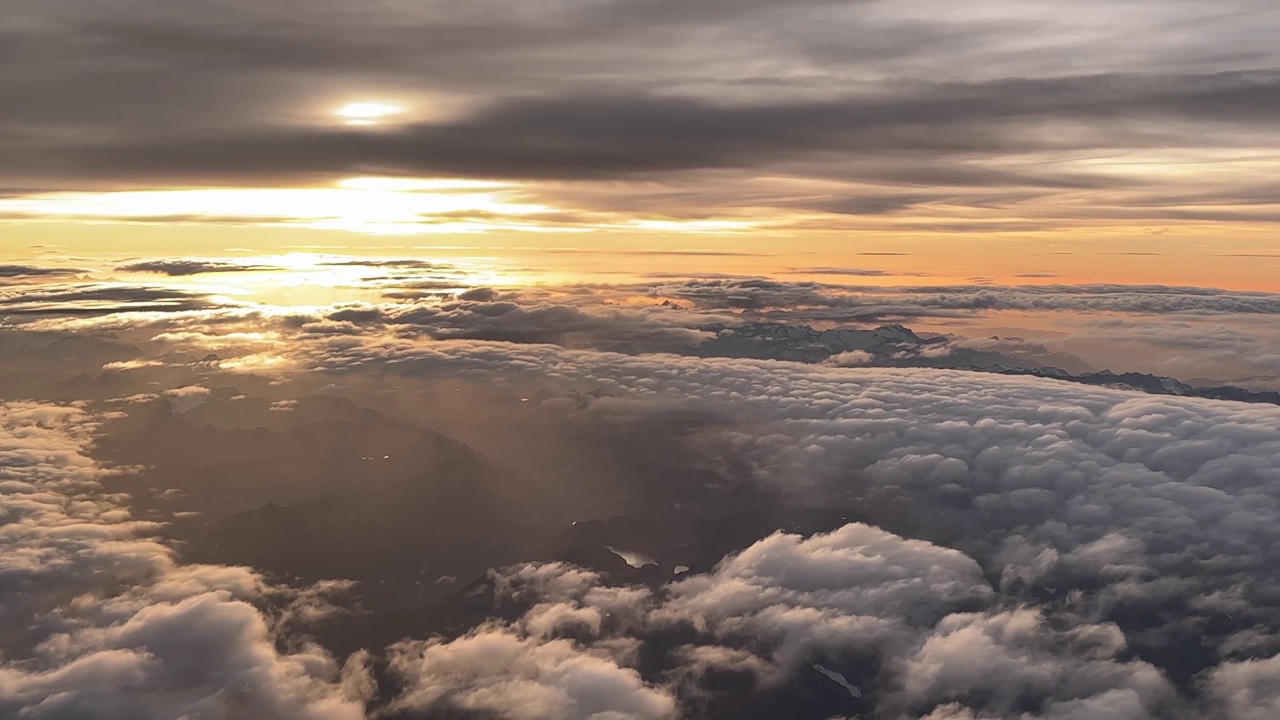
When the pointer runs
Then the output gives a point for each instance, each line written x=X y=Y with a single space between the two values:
x=640 y=359
x=1009 y=141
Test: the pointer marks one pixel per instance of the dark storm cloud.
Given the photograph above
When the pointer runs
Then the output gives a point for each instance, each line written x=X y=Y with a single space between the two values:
x=181 y=268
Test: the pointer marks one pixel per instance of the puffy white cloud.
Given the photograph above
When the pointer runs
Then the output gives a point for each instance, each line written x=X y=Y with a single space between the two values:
x=697 y=661
x=204 y=656
x=835 y=593
x=528 y=669
x=880 y=607
x=1246 y=690
x=188 y=398
x=1012 y=659
x=103 y=622
x=552 y=582
x=1155 y=513
x=499 y=671
x=851 y=358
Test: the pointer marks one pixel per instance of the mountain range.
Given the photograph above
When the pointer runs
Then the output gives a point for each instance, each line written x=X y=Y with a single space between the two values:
x=897 y=346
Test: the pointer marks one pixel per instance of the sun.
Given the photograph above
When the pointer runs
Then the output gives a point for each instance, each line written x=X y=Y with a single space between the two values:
x=368 y=113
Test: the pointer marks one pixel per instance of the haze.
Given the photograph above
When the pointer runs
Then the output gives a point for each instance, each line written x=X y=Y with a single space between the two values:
x=639 y=360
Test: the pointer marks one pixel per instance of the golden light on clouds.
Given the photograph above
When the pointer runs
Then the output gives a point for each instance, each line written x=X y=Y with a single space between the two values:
x=369 y=205
x=419 y=184
x=312 y=279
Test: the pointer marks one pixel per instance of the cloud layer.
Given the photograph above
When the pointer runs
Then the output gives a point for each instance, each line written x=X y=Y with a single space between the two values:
x=1064 y=480
x=954 y=544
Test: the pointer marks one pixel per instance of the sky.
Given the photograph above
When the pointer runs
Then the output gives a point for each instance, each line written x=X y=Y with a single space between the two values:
x=1128 y=142
x=639 y=360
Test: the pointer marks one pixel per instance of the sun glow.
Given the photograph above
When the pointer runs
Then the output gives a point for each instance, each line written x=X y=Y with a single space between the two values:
x=368 y=205
x=377 y=184
x=368 y=113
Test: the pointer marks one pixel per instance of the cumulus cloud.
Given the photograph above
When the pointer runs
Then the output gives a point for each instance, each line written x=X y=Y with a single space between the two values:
x=1014 y=660
x=831 y=594
x=1246 y=690
x=533 y=667
x=888 y=612
x=522 y=678
x=187 y=398
x=108 y=623
x=851 y=358
x=1156 y=513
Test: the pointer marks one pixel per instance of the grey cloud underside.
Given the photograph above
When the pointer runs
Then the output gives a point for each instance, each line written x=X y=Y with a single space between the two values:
x=903 y=96
x=25 y=272
x=181 y=268
x=101 y=299
x=620 y=135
